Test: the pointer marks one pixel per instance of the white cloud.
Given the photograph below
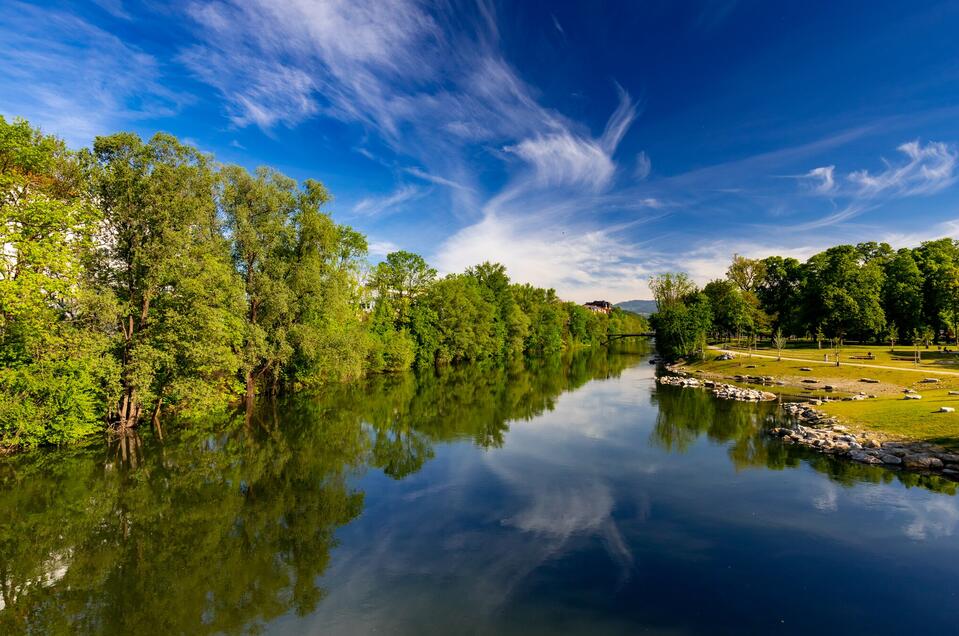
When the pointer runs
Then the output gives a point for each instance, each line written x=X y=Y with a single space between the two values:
x=643 y=166
x=581 y=263
x=563 y=159
x=928 y=169
x=824 y=175
x=73 y=78
x=432 y=178
x=381 y=248
x=372 y=206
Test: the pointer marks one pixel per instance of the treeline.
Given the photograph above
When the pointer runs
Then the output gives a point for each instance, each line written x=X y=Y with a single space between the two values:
x=142 y=279
x=868 y=292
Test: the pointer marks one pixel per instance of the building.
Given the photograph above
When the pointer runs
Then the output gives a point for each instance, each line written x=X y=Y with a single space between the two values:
x=599 y=306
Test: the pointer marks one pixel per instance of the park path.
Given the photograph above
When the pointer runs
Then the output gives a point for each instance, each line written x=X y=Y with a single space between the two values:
x=811 y=362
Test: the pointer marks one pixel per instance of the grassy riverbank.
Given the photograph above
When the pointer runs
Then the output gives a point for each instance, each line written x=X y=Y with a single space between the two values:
x=888 y=412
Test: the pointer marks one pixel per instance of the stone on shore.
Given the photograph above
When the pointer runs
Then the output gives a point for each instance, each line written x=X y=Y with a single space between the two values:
x=921 y=462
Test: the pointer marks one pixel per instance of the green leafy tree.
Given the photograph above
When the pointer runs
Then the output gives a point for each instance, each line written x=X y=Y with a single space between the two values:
x=164 y=259
x=55 y=372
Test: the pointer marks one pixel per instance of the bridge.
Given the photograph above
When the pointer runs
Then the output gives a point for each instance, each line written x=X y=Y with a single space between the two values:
x=620 y=336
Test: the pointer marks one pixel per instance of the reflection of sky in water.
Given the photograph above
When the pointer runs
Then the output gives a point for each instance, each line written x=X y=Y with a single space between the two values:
x=583 y=522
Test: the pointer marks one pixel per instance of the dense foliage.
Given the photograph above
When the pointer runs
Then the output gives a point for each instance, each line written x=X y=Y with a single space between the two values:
x=140 y=279
x=867 y=292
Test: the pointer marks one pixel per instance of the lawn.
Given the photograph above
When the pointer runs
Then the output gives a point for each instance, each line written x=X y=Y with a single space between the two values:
x=888 y=412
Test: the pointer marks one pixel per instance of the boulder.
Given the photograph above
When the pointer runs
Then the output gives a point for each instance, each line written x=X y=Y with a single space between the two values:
x=805 y=368
x=921 y=462
x=864 y=457
x=890 y=459
x=912 y=396
x=929 y=381
x=946 y=409
x=869 y=380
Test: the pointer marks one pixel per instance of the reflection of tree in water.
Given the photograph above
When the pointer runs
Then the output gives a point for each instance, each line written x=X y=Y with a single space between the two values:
x=684 y=415
x=230 y=524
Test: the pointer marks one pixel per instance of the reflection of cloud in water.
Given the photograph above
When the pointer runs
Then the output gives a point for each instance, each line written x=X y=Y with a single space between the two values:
x=549 y=502
x=828 y=500
x=934 y=518
x=926 y=515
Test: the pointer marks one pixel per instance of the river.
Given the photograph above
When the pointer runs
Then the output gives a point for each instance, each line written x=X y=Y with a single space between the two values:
x=571 y=495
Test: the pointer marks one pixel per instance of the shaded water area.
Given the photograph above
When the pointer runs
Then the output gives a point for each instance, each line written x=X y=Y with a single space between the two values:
x=563 y=496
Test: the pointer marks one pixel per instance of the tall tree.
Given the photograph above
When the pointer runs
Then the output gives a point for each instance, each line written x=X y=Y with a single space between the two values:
x=938 y=262
x=55 y=371
x=843 y=291
x=164 y=259
x=902 y=291
x=510 y=324
x=747 y=273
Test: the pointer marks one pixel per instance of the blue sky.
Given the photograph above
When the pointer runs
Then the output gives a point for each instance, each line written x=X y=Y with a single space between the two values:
x=585 y=145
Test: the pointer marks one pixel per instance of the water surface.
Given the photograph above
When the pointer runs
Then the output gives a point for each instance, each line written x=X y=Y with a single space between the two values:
x=566 y=496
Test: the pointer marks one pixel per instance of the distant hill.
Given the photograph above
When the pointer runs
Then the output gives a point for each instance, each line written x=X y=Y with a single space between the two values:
x=642 y=307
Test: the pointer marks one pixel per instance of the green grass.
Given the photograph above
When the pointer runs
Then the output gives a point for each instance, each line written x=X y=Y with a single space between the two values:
x=888 y=413
x=930 y=359
x=908 y=419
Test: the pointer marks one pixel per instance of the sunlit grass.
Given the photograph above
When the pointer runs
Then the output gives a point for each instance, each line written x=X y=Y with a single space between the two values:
x=888 y=412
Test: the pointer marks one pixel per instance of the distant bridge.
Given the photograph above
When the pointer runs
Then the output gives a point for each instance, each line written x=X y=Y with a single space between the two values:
x=620 y=336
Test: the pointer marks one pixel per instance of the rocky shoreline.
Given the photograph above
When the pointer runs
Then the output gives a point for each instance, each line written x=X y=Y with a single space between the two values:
x=819 y=431
x=719 y=390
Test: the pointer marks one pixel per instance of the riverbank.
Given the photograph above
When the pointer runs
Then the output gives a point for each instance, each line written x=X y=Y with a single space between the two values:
x=894 y=403
x=816 y=429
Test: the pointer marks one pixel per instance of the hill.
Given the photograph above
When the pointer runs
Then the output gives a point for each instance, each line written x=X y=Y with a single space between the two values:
x=642 y=307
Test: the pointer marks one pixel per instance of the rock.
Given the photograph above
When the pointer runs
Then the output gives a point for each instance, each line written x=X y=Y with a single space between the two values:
x=871 y=443
x=865 y=458
x=953 y=393
x=805 y=368
x=921 y=462
x=750 y=366
x=725 y=356
x=828 y=387
x=869 y=380
x=810 y=381
x=949 y=458
x=946 y=409
x=908 y=391
x=912 y=396
x=929 y=381
x=890 y=459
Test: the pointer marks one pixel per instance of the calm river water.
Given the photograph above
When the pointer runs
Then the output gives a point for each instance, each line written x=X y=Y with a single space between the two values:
x=568 y=496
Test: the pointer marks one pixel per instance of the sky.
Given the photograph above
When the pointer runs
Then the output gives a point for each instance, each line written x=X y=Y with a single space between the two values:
x=585 y=145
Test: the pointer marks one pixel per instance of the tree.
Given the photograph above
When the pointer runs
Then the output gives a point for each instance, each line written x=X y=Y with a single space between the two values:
x=56 y=374
x=163 y=258
x=780 y=292
x=731 y=313
x=938 y=261
x=510 y=325
x=902 y=292
x=671 y=289
x=259 y=213
x=747 y=273
x=843 y=291
x=779 y=341
x=400 y=279
x=892 y=334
